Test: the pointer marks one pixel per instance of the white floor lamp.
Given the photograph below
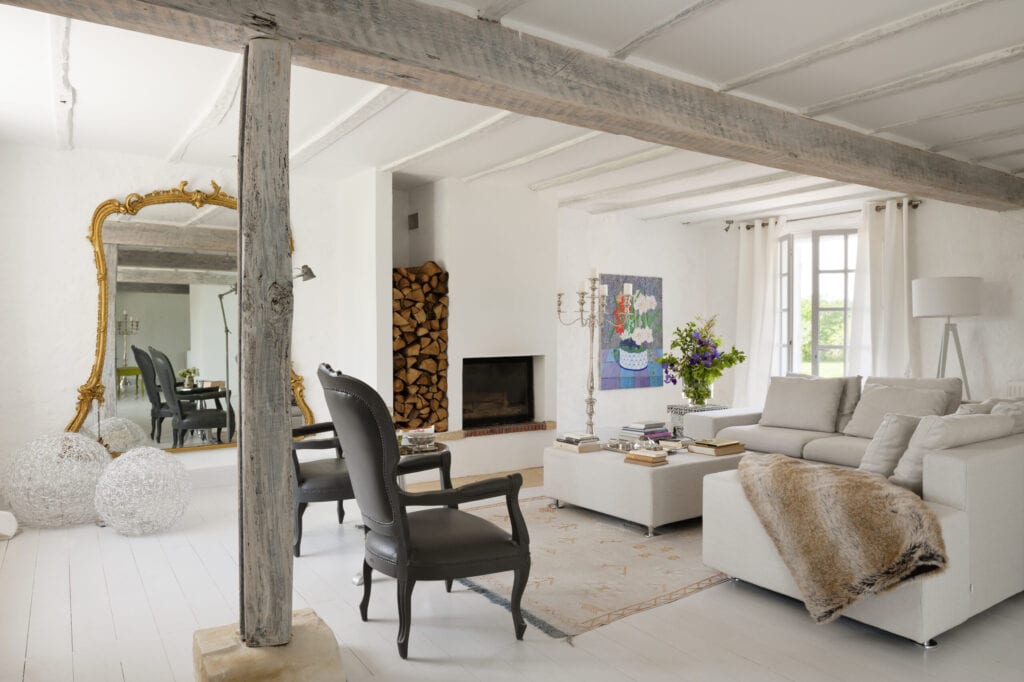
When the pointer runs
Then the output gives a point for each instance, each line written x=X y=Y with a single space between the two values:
x=948 y=297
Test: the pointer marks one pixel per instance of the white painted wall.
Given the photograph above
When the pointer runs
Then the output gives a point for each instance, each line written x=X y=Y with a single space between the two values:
x=163 y=324
x=697 y=267
x=951 y=240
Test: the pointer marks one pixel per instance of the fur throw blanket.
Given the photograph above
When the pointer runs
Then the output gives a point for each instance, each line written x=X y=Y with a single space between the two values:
x=842 y=533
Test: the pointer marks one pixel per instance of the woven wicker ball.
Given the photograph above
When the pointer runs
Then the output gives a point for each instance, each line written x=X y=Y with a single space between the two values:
x=52 y=480
x=120 y=434
x=143 y=491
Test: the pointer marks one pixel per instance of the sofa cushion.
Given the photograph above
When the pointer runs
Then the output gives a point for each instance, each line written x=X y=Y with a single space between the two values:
x=952 y=386
x=848 y=401
x=878 y=400
x=845 y=451
x=1011 y=409
x=940 y=433
x=890 y=442
x=772 y=439
x=798 y=403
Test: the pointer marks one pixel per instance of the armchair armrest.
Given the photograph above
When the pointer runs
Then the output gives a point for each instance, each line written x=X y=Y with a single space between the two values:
x=707 y=424
x=310 y=429
x=481 y=490
x=442 y=461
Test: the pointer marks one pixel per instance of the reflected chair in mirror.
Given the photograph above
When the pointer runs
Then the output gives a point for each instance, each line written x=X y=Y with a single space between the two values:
x=187 y=414
x=158 y=410
x=328 y=480
x=441 y=543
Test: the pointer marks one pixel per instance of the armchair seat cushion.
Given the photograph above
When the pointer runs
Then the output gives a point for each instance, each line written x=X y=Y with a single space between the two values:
x=204 y=419
x=323 y=476
x=447 y=536
x=845 y=451
x=773 y=438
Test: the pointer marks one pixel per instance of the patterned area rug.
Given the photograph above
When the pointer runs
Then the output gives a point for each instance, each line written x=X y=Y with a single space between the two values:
x=590 y=569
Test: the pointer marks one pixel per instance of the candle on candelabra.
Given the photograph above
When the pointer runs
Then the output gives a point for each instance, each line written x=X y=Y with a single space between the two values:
x=604 y=289
x=627 y=289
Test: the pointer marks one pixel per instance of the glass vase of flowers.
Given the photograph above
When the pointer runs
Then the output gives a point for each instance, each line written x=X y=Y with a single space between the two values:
x=189 y=374
x=696 y=359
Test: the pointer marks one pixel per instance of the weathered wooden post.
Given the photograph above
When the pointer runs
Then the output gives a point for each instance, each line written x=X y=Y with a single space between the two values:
x=265 y=330
x=303 y=648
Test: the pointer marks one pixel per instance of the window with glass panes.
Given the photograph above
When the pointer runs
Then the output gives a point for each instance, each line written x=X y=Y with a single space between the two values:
x=833 y=261
x=784 y=322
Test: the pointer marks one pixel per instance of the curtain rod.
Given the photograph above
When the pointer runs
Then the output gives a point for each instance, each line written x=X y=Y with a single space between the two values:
x=914 y=203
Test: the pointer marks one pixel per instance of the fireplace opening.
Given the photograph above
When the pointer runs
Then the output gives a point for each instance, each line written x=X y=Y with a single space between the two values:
x=497 y=391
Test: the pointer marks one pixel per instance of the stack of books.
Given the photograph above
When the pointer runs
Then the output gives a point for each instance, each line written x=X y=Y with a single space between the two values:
x=655 y=430
x=578 y=442
x=646 y=458
x=716 y=447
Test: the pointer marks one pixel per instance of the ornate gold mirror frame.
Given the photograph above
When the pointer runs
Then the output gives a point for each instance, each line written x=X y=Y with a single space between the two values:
x=93 y=389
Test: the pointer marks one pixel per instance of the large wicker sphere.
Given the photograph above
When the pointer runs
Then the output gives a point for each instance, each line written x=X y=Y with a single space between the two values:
x=52 y=480
x=145 y=490
x=120 y=434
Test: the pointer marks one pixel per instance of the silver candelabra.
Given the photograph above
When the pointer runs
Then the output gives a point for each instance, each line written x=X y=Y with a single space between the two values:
x=590 y=321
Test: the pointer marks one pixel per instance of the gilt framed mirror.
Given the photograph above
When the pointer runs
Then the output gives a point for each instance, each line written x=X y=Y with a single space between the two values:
x=167 y=316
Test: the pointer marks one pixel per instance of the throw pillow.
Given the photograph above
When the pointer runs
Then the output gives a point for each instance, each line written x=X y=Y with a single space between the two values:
x=806 y=404
x=940 y=433
x=878 y=400
x=847 y=404
x=890 y=442
x=1011 y=409
x=953 y=386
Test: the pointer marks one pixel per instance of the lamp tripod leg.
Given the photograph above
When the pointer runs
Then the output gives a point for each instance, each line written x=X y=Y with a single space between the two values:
x=960 y=357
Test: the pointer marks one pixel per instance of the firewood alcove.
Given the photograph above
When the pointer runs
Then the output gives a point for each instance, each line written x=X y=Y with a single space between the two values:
x=420 y=344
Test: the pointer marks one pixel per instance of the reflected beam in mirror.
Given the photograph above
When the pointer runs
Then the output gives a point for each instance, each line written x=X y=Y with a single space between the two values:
x=169 y=276
x=180 y=260
x=158 y=235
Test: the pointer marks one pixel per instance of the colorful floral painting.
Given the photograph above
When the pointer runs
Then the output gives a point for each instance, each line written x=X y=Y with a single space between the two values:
x=631 y=332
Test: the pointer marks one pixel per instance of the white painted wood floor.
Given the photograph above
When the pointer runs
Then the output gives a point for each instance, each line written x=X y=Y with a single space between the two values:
x=88 y=604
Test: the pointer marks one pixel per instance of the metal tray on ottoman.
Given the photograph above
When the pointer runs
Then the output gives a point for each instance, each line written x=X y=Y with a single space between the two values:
x=650 y=496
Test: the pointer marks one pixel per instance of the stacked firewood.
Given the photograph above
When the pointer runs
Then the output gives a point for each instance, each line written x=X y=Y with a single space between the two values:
x=420 y=343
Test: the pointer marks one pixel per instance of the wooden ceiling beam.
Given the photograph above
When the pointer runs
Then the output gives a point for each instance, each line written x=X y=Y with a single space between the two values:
x=830 y=184
x=168 y=276
x=489 y=125
x=872 y=35
x=63 y=93
x=217 y=112
x=608 y=166
x=939 y=74
x=700 y=191
x=415 y=46
x=371 y=105
x=965 y=110
x=776 y=211
x=176 y=260
x=648 y=182
x=532 y=156
x=497 y=9
x=987 y=137
x=660 y=28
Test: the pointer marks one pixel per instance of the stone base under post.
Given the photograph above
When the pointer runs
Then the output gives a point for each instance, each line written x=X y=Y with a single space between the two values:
x=312 y=655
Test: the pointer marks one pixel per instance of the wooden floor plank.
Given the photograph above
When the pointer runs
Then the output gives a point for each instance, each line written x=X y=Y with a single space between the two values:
x=17 y=576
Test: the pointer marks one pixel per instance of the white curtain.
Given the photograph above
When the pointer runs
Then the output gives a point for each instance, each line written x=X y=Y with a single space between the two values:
x=882 y=331
x=756 y=309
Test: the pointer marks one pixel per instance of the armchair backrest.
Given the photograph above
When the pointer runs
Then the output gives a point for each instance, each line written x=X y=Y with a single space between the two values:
x=367 y=437
x=145 y=364
x=165 y=375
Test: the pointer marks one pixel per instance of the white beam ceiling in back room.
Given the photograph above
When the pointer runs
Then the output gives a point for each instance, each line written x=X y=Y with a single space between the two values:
x=139 y=94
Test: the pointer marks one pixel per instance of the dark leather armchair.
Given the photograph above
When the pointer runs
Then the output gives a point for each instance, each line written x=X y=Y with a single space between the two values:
x=158 y=409
x=434 y=544
x=328 y=480
x=186 y=415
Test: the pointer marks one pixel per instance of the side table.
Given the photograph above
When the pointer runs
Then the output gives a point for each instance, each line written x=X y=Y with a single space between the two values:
x=677 y=412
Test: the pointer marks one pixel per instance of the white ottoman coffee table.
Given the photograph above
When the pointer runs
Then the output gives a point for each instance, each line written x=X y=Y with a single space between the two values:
x=650 y=496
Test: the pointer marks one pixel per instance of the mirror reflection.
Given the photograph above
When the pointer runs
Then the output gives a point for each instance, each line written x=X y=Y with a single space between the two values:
x=175 y=311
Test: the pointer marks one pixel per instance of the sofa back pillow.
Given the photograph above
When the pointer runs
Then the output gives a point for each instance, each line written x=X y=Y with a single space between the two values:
x=890 y=442
x=1011 y=409
x=806 y=404
x=953 y=386
x=878 y=400
x=940 y=433
x=848 y=401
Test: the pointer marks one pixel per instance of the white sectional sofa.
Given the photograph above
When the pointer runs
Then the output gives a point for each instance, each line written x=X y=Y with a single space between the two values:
x=976 y=491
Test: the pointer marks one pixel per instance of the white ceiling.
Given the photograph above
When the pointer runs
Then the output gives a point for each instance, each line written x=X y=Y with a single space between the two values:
x=146 y=95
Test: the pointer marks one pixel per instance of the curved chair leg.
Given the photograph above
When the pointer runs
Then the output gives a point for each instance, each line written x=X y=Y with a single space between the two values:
x=300 y=509
x=152 y=427
x=404 y=614
x=518 y=587
x=367 y=582
x=448 y=585
x=159 y=428
x=341 y=511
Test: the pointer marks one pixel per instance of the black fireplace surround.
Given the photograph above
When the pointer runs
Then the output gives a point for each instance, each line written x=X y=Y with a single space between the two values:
x=497 y=391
